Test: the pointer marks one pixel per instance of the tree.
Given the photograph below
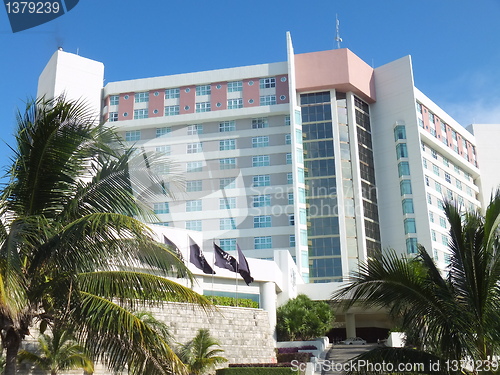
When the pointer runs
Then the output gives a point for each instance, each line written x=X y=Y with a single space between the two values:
x=72 y=248
x=199 y=354
x=303 y=319
x=57 y=353
x=450 y=317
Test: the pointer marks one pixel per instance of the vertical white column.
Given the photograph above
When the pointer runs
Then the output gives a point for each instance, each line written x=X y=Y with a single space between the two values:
x=268 y=303
x=350 y=325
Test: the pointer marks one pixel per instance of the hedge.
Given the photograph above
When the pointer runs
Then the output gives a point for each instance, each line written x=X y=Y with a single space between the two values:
x=257 y=371
x=289 y=357
x=229 y=301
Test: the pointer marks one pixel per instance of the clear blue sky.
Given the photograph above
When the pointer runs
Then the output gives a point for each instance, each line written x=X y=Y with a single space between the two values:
x=454 y=44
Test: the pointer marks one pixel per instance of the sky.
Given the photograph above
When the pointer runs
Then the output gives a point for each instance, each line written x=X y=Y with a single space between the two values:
x=454 y=44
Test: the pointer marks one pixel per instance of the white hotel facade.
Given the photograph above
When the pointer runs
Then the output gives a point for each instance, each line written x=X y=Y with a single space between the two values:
x=321 y=155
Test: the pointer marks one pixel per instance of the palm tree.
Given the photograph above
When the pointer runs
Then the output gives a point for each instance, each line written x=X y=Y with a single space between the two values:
x=57 y=353
x=199 y=354
x=448 y=317
x=72 y=248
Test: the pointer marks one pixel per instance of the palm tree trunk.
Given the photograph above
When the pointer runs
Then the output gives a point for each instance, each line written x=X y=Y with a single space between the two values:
x=13 y=342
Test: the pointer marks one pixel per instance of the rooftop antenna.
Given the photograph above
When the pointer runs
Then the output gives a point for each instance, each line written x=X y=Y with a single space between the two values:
x=338 y=39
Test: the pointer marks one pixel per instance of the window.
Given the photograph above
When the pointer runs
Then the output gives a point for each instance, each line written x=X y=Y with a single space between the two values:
x=172 y=93
x=302 y=216
x=411 y=245
x=194 y=166
x=267 y=100
x=405 y=187
x=287 y=120
x=262 y=221
x=300 y=155
x=140 y=114
x=440 y=204
x=302 y=195
x=227 y=223
x=194 y=148
x=447 y=177
x=234 y=103
x=404 y=168
x=264 y=242
x=420 y=123
x=435 y=169
x=291 y=240
x=262 y=200
x=161 y=208
x=291 y=220
x=227 y=126
x=195 y=129
x=262 y=141
x=228 y=244
x=433 y=235
x=434 y=153
x=234 y=86
x=446 y=161
x=260 y=161
x=133 y=135
x=288 y=139
x=444 y=239
x=431 y=216
x=262 y=180
x=227 y=163
x=424 y=163
x=114 y=99
x=203 y=90
x=427 y=181
x=442 y=222
x=160 y=132
x=266 y=83
x=399 y=132
x=408 y=206
x=437 y=186
x=195 y=185
x=171 y=110
x=194 y=205
x=259 y=123
x=141 y=97
x=410 y=226
x=227 y=183
x=227 y=203
x=401 y=150
x=113 y=116
x=227 y=144
x=193 y=225
x=290 y=198
x=429 y=198
x=458 y=184
x=203 y=107
x=289 y=158
x=289 y=178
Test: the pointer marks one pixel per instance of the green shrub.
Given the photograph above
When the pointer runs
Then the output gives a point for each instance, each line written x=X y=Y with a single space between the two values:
x=257 y=371
x=229 y=301
x=303 y=319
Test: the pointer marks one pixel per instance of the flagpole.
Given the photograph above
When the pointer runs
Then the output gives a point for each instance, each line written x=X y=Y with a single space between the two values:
x=213 y=262
x=236 y=278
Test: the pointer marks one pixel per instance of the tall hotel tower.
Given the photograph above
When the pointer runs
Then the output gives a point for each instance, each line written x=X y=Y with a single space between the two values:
x=322 y=155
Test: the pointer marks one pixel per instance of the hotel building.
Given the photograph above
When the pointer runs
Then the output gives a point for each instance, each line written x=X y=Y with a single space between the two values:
x=321 y=154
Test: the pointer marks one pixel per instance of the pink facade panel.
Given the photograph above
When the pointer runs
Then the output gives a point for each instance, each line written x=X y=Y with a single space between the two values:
x=126 y=106
x=187 y=100
x=251 y=92
x=218 y=97
x=282 y=92
x=450 y=138
x=460 y=145
x=438 y=128
x=156 y=103
x=470 y=153
x=425 y=118
x=339 y=69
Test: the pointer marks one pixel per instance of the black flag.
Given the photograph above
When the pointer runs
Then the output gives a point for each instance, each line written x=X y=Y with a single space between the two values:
x=244 y=270
x=172 y=245
x=224 y=260
x=197 y=258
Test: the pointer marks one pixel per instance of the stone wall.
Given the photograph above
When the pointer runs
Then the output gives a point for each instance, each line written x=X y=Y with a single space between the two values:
x=244 y=333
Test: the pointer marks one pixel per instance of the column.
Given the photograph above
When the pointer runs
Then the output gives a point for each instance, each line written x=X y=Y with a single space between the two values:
x=268 y=303
x=350 y=325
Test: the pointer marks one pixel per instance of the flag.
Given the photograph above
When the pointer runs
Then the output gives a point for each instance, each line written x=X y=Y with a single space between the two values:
x=172 y=245
x=224 y=260
x=244 y=270
x=197 y=258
